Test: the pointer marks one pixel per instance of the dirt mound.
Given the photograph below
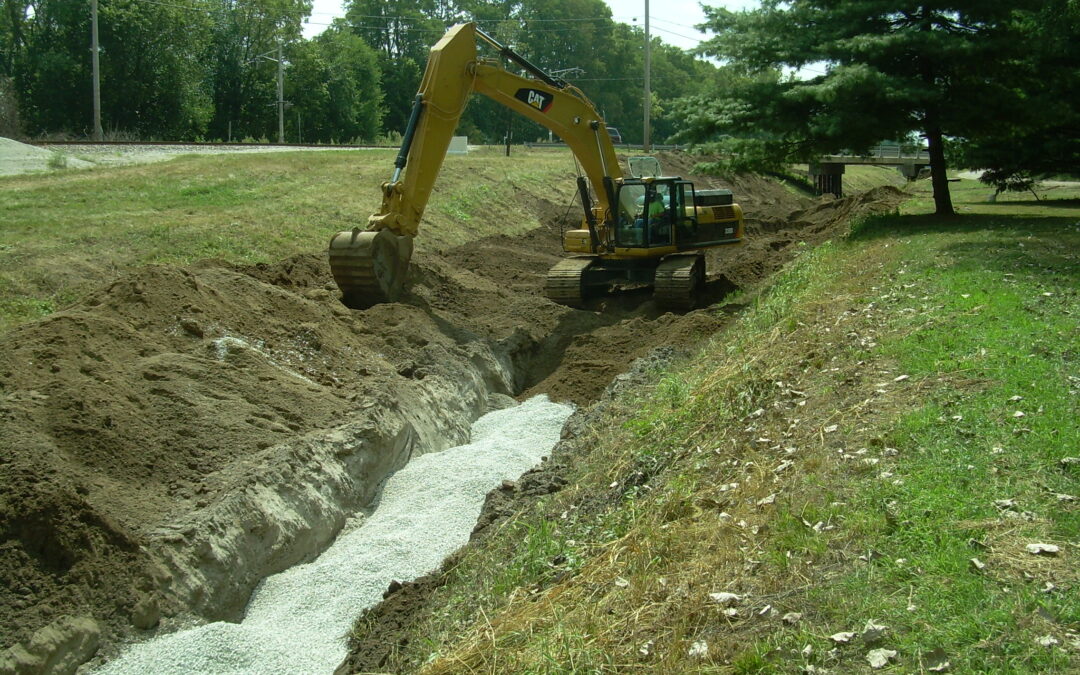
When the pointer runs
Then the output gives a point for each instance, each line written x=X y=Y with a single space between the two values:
x=157 y=398
x=143 y=403
x=770 y=237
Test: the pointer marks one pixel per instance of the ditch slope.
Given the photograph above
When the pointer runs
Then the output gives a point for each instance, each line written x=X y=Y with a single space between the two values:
x=186 y=431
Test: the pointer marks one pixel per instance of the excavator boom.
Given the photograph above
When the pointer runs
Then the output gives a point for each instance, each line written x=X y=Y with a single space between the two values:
x=369 y=265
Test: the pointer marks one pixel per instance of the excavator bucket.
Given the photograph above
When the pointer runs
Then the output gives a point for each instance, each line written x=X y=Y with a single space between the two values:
x=369 y=267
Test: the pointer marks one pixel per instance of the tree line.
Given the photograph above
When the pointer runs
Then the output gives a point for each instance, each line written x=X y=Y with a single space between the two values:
x=987 y=84
x=207 y=69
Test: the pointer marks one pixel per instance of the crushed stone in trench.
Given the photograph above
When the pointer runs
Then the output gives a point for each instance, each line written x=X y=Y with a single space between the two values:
x=297 y=619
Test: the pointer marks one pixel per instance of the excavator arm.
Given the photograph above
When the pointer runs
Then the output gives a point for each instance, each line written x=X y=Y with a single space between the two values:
x=370 y=265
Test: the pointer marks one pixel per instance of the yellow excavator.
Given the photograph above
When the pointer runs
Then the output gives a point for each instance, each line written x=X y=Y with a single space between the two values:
x=644 y=228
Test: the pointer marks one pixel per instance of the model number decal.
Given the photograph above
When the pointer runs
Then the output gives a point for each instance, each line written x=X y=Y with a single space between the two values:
x=541 y=100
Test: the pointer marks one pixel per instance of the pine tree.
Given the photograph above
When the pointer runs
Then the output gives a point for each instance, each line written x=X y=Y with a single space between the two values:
x=1045 y=140
x=888 y=69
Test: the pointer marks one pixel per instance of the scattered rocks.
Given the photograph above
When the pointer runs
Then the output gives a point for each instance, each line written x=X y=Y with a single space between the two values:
x=725 y=599
x=60 y=647
x=879 y=658
x=698 y=650
x=1042 y=549
x=192 y=327
x=872 y=632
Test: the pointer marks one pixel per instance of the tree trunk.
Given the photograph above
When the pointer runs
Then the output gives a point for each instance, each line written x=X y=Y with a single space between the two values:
x=942 y=200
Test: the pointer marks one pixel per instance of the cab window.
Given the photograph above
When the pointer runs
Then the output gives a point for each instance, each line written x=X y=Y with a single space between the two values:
x=645 y=214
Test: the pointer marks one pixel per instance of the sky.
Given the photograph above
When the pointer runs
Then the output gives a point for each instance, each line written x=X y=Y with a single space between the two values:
x=671 y=20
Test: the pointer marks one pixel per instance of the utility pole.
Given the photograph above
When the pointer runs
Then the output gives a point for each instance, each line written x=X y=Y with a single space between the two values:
x=98 y=134
x=647 y=144
x=280 y=88
x=280 y=94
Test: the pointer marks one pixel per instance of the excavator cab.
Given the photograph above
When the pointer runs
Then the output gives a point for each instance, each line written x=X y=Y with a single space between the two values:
x=652 y=212
x=664 y=213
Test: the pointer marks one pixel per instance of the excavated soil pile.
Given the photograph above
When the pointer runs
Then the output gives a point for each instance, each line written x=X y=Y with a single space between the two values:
x=184 y=432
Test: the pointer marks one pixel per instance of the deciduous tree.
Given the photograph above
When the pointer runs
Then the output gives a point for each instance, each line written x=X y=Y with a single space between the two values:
x=334 y=85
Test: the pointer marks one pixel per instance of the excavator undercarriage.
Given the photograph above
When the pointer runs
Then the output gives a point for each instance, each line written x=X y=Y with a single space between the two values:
x=677 y=279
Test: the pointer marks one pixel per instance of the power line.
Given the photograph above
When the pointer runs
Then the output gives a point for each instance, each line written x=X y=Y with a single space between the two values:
x=171 y=4
x=413 y=18
x=671 y=32
x=653 y=18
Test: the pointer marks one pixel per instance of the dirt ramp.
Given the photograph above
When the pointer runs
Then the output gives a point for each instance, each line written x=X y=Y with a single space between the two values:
x=772 y=236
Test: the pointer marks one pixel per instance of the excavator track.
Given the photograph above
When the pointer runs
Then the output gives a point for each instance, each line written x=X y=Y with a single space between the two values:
x=679 y=279
x=565 y=283
x=369 y=267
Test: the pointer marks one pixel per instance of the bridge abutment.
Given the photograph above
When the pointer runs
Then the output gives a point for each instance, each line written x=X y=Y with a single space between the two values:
x=828 y=178
x=912 y=171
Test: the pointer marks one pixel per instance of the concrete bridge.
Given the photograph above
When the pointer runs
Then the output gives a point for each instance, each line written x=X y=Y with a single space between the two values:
x=828 y=172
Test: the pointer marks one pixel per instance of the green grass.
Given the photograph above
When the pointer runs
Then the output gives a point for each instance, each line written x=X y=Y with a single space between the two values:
x=986 y=312
x=66 y=233
x=981 y=311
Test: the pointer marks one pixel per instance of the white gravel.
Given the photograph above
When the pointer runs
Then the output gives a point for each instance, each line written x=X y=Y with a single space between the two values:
x=296 y=620
x=120 y=155
x=17 y=158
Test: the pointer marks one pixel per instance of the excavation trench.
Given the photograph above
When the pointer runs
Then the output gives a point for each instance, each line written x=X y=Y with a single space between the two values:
x=204 y=428
x=296 y=619
x=184 y=433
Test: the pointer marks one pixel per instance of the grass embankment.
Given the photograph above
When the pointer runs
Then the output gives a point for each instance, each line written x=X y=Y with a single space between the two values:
x=878 y=439
x=64 y=233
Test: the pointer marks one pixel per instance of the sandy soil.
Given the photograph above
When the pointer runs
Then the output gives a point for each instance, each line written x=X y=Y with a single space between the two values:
x=152 y=399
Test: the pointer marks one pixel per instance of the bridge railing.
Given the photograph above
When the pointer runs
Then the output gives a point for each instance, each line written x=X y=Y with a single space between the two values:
x=888 y=152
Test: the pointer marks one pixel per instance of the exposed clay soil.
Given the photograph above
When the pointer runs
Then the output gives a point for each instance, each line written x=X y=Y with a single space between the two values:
x=131 y=409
